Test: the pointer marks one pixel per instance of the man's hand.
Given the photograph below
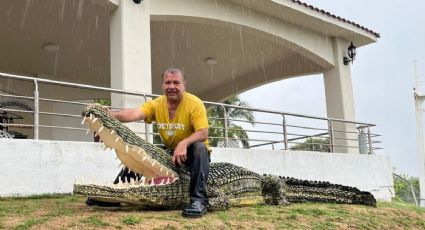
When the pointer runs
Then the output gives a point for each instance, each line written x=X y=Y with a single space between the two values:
x=180 y=152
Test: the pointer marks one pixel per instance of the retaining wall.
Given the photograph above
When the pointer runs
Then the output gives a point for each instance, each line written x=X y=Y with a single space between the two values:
x=30 y=167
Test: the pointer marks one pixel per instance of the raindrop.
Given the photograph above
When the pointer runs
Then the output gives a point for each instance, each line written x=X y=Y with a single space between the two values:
x=80 y=10
x=80 y=44
x=9 y=12
x=62 y=12
x=55 y=66
x=241 y=43
x=211 y=73
x=263 y=67
x=96 y=22
x=25 y=13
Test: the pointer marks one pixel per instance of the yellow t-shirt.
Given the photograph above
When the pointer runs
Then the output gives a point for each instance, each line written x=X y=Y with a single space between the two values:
x=190 y=116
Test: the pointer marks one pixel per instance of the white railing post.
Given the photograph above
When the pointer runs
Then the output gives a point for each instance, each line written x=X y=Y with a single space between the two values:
x=147 y=128
x=36 y=110
x=369 y=137
x=285 y=132
x=331 y=136
x=226 y=128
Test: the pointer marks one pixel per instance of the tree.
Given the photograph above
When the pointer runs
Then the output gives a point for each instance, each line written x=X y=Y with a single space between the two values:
x=106 y=102
x=318 y=144
x=216 y=122
x=402 y=188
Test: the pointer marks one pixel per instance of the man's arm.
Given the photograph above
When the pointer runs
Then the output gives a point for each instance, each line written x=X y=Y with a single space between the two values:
x=180 y=151
x=129 y=115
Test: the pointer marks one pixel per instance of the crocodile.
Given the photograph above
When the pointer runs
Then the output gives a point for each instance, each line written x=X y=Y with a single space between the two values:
x=158 y=183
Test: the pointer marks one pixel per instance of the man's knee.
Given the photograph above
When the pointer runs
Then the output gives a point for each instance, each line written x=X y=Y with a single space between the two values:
x=199 y=148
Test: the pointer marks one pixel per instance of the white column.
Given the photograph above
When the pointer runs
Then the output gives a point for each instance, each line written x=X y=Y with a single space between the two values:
x=130 y=53
x=131 y=50
x=339 y=98
x=419 y=99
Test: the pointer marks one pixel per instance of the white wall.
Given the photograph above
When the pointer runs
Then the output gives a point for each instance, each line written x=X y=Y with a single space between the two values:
x=35 y=167
x=371 y=173
x=31 y=167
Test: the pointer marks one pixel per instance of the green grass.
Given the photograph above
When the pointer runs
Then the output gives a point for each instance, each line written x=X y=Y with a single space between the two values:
x=130 y=220
x=70 y=212
x=95 y=221
x=31 y=222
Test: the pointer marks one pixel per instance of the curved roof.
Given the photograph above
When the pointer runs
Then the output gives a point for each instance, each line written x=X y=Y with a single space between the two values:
x=312 y=18
x=327 y=13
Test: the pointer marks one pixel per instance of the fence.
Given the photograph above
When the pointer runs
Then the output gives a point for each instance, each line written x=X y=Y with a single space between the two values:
x=44 y=102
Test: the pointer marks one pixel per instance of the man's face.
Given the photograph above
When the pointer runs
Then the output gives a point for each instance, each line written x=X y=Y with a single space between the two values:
x=173 y=86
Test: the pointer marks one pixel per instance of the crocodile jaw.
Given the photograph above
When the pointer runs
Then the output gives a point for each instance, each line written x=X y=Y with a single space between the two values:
x=142 y=194
x=133 y=156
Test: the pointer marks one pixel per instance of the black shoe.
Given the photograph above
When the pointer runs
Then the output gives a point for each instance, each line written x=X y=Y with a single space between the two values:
x=195 y=209
x=92 y=202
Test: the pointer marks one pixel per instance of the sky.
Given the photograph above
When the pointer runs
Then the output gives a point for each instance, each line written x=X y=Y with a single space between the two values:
x=382 y=76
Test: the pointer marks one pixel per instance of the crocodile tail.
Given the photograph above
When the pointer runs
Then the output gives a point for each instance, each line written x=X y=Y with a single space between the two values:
x=320 y=191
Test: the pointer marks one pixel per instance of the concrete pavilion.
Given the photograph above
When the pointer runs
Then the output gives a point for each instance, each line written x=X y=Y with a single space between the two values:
x=124 y=45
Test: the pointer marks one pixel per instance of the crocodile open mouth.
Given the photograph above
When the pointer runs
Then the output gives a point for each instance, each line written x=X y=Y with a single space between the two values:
x=150 y=166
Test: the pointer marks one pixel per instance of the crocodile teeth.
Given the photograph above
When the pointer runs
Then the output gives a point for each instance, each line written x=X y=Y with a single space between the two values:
x=91 y=116
x=116 y=140
x=139 y=151
x=152 y=181
x=112 y=132
x=100 y=129
x=94 y=120
x=88 y=131
x=144 y=158
x=166 y=173
x=153 y=163
x=160 y=169
x=126 y=148
x=104 y=147
x=83 y=121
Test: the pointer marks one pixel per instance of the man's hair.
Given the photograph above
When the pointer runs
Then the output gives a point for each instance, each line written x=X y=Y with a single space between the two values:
x=173 y=71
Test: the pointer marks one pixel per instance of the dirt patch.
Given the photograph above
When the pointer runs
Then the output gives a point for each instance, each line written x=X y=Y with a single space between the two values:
x=12 y=221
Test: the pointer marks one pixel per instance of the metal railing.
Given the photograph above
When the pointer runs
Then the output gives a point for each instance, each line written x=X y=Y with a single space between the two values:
x=270 y=129
x=412 y=190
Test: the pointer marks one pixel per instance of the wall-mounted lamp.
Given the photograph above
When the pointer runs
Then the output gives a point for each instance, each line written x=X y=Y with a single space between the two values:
x=351 y=54
x=137 y=1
